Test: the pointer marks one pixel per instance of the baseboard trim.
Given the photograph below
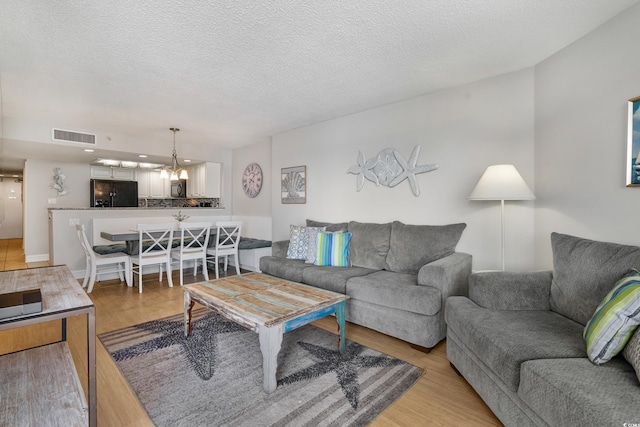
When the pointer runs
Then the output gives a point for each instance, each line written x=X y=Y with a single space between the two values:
x=36 y=258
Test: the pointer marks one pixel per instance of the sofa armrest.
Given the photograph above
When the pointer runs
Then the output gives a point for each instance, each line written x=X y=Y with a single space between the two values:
x=502 y=290
x=449 y=274
x=279 y=249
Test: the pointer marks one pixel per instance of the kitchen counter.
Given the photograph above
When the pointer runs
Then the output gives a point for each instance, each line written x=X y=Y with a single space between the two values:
x=150 y=208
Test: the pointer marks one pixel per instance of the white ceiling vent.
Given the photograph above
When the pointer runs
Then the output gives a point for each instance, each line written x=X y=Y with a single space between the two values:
x=73 y=136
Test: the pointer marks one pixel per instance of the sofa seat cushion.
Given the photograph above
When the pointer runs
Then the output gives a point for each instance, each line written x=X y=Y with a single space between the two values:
x=396 y=290
x=251 y=243
x=576 y=392
x=504 y=339
x=332 y=278
x=110 y=249
x=289 y=269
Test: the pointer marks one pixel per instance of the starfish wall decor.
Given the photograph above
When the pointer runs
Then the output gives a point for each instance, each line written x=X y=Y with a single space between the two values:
x=389 y=169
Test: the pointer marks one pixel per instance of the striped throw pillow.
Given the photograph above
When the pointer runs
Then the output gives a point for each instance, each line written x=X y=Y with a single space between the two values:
x=333 y=249
x=614 y=320
x=312 y=247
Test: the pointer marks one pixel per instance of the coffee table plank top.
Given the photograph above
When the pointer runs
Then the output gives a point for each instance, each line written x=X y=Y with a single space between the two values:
x=261 y=299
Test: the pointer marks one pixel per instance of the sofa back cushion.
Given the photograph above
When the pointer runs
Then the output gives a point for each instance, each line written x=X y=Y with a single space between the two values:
x=369 y=244
x=339 y=227
x=584 y=271
x=413 y=246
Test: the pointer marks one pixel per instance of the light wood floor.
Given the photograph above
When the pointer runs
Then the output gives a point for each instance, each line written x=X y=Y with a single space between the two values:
x=439 y=398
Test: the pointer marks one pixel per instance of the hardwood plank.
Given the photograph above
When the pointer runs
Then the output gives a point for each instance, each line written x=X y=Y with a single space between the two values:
x=439 y=398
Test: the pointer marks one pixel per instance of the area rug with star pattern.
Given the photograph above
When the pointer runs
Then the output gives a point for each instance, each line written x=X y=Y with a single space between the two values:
x=214 y=376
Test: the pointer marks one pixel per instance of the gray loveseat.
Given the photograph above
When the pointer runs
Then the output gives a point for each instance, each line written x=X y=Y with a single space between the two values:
x=518 y=340
x=400 y=278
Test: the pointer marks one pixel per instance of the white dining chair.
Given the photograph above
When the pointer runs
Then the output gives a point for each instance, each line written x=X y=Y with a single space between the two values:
x=154 y=247
x=119 y=261
x=194 y=240
x=227 y=240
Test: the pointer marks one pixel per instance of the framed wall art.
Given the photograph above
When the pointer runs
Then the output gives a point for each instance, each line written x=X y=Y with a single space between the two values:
x=633 y=143
x=294 y=185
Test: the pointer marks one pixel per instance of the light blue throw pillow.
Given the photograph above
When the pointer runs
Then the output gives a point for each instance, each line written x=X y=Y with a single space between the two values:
x=333 y=249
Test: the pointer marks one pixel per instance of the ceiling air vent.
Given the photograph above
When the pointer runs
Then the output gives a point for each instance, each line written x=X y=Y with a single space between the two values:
x=73 y=136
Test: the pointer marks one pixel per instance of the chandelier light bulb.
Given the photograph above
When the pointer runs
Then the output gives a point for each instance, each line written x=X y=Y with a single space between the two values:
x=174 y=170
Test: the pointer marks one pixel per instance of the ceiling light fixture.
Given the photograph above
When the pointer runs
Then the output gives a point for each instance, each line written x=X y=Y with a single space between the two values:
x=174 y=172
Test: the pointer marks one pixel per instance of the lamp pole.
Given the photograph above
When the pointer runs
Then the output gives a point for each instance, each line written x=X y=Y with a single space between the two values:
x=502 y=230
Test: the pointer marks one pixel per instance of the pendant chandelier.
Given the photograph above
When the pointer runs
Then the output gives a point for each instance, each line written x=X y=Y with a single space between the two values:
x=174 y=172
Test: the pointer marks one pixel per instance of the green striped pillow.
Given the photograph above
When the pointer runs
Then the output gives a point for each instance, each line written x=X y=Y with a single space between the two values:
x=615 y=319
x=333 y=249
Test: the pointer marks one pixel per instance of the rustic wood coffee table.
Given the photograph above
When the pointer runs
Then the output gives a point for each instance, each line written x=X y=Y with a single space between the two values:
x=267 y=305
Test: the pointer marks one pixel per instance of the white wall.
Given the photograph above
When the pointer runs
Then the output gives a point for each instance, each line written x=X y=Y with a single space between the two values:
x=11 y=225
x=260 y=205
x=38 y=176
x=255 y=213
x=581 y=122
x=463 y=129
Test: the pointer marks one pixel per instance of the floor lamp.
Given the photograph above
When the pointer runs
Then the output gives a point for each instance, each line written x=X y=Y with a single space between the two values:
x=501 y=182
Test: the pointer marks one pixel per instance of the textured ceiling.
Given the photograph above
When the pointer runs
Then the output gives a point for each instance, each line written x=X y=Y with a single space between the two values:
x=231 y=73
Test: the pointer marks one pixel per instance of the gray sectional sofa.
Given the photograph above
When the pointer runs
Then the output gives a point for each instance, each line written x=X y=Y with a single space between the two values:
x=400 y=278
x=517 y=339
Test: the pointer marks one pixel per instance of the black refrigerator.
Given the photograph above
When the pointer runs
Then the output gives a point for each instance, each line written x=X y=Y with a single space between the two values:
x=110 y=194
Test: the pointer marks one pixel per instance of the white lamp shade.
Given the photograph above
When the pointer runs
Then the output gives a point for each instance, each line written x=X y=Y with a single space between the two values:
x=501 y=182
x=183 y=174
x=164 y=174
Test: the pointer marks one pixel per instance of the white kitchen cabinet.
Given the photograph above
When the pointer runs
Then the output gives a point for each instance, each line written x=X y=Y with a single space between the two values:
x=204 y=180
x=193 y=183
x=150 y=185
x=107 y=172
x=159 y=187
x=143 y=177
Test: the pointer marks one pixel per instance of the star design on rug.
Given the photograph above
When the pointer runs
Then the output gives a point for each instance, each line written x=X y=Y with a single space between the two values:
x=345 y=365
x=199 y=347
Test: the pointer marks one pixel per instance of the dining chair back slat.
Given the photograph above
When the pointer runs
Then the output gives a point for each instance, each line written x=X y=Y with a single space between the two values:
x=194 y=241
x=154 y=243
x=227 y=240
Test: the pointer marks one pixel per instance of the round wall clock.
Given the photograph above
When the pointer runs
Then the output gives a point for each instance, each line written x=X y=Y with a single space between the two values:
x=252 y=180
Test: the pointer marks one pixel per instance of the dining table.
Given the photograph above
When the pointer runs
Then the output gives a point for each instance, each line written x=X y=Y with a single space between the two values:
x=132 y=238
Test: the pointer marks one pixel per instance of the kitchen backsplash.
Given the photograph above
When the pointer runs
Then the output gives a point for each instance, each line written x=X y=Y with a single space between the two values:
x=179 y=203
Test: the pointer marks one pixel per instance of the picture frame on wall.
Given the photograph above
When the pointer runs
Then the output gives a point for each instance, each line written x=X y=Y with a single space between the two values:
x=294 y=185
x=633 y=143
